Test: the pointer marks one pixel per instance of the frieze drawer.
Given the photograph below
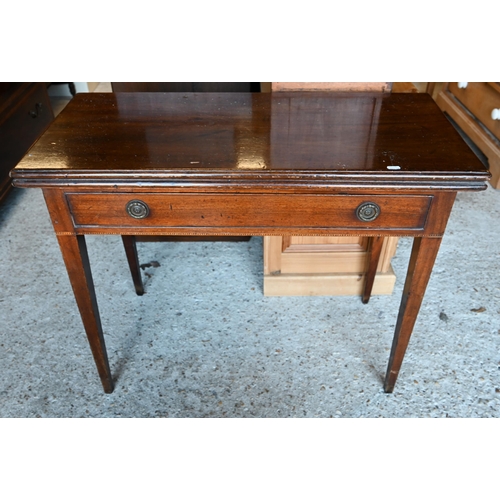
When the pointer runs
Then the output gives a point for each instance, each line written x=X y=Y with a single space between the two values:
x=144 y=210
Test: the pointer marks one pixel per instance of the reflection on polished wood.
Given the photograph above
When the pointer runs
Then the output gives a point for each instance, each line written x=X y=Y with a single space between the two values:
x=331 y=86
x=250 y=164
x=162 y=134
x=319 y=268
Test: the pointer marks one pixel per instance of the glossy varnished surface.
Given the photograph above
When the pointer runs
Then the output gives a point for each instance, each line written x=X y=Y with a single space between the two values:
x=256 y=137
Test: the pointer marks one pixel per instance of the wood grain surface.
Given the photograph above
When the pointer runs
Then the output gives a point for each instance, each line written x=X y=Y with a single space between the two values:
x=247 y=139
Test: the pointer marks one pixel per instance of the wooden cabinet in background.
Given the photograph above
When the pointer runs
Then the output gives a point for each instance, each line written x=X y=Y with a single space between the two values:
x=308 y=265
x=25 y=112
x=475 y=107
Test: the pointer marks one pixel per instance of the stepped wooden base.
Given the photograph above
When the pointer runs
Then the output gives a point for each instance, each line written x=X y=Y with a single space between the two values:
x=326 y=284
x=315 y=266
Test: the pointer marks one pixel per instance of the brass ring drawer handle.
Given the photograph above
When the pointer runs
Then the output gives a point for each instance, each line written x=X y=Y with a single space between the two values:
x=137 y=209
x=368 y=211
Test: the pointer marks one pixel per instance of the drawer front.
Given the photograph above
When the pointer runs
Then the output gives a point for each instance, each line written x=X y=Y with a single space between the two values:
x=248 y=211
x=480 y=99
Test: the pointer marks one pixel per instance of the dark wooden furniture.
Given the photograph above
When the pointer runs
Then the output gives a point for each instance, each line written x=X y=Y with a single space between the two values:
x=185 y=86
x=475 y=108
x=25 y=112
x=226 y=164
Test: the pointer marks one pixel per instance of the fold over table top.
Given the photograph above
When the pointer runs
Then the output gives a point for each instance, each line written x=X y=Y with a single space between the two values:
x=293 y=140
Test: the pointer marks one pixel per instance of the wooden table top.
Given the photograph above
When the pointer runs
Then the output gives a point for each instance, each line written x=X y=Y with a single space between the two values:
x=248 y=138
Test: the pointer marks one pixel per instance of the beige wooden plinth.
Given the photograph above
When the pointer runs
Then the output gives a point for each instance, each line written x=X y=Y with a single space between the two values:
x=324 y=266
x=326 y=284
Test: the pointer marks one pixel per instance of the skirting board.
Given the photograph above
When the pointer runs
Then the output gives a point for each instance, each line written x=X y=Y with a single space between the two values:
x=326 y=284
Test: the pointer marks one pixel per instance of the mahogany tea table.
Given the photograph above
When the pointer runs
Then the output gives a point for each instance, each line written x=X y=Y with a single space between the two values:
x=234 y=164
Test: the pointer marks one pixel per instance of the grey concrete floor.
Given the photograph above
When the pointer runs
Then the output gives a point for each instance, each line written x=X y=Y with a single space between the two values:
x=204 y=341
